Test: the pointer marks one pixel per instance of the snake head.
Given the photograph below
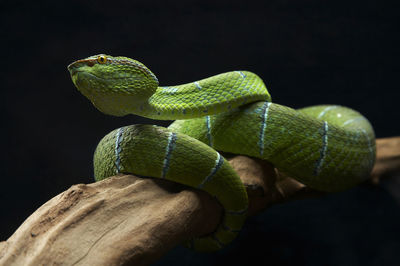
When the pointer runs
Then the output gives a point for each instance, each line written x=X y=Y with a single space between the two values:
x=115 y=85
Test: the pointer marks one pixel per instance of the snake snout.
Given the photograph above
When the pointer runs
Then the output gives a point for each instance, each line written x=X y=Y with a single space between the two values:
x=70 y=67
x=74 y=66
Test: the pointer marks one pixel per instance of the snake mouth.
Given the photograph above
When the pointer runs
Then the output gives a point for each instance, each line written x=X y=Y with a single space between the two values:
x=82 y=74
x=73 y=68
x=74 y=71
x=70 y=68
x=76 y=68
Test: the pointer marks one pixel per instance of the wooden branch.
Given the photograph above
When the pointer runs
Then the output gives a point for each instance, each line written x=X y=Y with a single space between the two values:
x=127 y=220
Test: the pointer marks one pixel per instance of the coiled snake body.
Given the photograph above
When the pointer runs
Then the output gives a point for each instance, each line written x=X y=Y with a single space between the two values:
x=327 y=147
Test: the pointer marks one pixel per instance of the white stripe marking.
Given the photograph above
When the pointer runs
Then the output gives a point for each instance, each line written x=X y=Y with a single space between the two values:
x=241 y=74
x=117 y=149
x=197 y=85
x=209 y=136
x=264 y=117
x=326 y=110
x=324 y=148
x=352 y=120
x=239 y=212
x=168 y=150
x=218 y=163
x=170 y=89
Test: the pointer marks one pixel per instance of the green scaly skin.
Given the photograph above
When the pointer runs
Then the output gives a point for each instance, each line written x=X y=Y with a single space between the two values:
x=326 y=147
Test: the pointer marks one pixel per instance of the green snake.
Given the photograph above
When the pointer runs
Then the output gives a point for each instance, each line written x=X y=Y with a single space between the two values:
x=327 y=147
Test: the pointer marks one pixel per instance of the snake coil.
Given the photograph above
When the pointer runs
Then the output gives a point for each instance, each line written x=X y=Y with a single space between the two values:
x=326 y=147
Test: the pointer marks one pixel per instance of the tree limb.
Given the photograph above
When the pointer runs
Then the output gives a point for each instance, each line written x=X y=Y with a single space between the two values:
x=127 y=220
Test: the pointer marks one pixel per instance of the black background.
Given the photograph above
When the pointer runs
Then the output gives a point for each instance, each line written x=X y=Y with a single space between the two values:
x=308 y=52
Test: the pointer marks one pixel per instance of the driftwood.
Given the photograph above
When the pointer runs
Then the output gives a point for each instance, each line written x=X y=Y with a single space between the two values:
x=127 y=220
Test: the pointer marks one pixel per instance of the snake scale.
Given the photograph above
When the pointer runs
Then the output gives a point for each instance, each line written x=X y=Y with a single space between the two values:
x=327 y=147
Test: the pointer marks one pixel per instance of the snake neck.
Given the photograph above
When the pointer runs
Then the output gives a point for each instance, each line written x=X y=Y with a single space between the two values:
x=213 y=95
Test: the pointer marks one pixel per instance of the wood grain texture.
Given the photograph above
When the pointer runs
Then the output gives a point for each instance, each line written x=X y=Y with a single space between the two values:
x=127 y=220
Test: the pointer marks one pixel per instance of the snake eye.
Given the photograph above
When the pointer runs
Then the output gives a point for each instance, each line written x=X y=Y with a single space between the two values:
x=101 y=59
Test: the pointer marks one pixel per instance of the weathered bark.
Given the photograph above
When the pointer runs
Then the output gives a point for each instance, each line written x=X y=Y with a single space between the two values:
x=126 y=220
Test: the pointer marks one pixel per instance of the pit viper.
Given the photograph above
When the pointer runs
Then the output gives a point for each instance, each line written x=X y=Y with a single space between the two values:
x=327 y=147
